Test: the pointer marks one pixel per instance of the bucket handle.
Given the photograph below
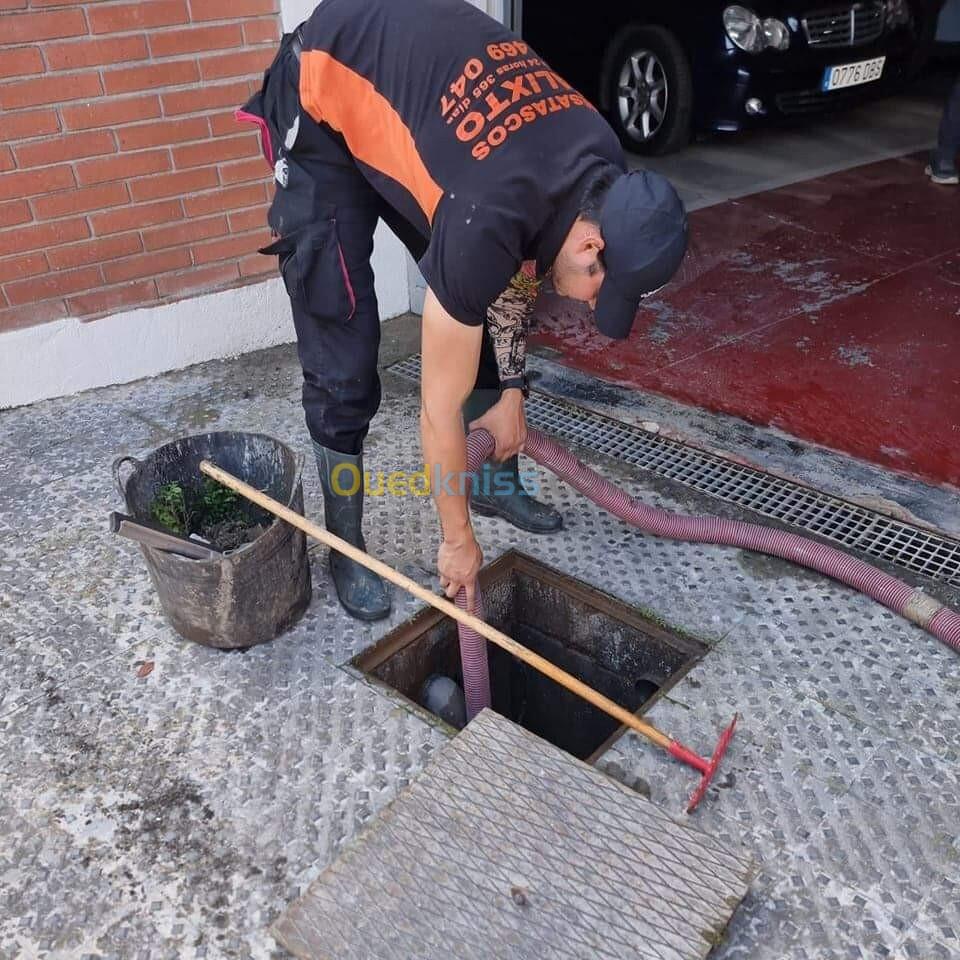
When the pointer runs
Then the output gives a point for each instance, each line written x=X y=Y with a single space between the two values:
x=298 y=464
x=117 y=479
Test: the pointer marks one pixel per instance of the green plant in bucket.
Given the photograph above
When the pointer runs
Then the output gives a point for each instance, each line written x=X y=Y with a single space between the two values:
x=169 y=509
x=218 y=503
x=209 y=510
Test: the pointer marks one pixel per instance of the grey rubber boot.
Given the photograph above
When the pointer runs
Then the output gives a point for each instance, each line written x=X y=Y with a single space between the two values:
x=500 y=492
x=362 y=593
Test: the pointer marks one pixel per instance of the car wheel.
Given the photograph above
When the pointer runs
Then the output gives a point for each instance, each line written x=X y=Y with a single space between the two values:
x=649 y=90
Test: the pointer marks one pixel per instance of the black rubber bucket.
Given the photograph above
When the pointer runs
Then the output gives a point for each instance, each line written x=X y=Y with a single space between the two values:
x=253 y=593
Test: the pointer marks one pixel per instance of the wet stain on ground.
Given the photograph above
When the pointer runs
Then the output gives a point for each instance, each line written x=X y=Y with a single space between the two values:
x=764 y=567
x=854 y=356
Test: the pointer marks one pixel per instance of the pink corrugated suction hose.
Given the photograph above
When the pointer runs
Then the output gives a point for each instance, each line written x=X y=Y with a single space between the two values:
x=911 y=603
x=473 y=656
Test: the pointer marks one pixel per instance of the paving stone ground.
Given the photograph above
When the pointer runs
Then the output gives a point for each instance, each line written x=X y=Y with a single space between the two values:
x=177 y=814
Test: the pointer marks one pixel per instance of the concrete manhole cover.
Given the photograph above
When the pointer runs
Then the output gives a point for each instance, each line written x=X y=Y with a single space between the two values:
x=507 y=846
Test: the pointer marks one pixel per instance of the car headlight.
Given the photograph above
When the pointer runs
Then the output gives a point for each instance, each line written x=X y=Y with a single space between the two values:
x=750 y=33
x=743 y=28
x=775 y=34
x=898 y=12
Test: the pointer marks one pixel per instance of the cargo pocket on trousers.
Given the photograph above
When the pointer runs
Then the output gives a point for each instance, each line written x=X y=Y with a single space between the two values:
x=315 y=272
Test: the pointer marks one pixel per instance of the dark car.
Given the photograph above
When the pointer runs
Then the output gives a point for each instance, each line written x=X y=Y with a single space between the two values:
x=662 y=68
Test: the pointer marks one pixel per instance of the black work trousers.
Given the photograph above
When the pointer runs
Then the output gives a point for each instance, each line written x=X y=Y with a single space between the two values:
x=328 y=212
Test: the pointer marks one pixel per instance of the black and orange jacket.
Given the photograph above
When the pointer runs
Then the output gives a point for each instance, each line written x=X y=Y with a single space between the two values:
x=462 y=128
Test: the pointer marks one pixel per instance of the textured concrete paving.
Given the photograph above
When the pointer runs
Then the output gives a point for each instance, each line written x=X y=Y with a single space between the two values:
x=175 y=813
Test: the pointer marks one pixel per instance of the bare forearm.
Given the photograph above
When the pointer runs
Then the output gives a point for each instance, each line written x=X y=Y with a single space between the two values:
x=445 y=456
x=451 y=352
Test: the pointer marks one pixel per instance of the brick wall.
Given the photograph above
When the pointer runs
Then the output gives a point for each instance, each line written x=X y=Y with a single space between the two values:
x=124 y=179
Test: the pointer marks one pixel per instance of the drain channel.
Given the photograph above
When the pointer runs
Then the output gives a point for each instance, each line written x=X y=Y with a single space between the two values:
x=847 y=524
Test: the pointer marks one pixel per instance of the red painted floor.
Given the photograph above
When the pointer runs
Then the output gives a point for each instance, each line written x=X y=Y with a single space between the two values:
x=829 y=309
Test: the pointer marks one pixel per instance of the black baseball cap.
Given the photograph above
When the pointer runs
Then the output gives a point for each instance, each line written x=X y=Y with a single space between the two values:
x=644 y=228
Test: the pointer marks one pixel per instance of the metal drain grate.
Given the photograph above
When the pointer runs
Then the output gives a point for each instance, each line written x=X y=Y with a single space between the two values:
x=847 y=524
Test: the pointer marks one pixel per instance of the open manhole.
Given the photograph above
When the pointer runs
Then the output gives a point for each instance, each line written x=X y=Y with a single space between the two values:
x=603 y=642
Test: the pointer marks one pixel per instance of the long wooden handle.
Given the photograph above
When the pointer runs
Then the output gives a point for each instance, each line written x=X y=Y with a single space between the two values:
x=440 y=603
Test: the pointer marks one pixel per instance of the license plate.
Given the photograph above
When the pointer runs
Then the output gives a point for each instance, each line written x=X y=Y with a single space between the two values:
x=852 y=74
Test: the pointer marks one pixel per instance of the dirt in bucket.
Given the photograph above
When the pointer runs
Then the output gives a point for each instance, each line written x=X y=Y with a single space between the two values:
x=210 y=511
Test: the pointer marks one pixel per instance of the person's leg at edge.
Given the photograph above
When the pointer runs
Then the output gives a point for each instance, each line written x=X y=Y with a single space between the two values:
x=943 y=159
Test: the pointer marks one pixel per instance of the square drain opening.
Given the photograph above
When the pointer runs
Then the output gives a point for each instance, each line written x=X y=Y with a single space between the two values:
x=602 y=641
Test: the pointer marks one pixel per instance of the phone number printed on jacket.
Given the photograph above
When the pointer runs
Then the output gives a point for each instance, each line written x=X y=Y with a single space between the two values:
x=478 y=99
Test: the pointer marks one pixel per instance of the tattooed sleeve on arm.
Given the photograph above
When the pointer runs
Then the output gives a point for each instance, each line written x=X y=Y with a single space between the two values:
x=508 y=320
